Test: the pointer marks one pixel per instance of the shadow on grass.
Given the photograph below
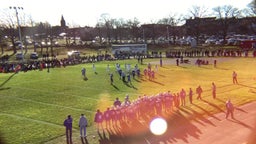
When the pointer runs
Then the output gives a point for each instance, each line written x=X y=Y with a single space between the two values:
x=206 y=112
x=84 y=140
x=85 y=78
x=214 y=106
x=103 y=138
x=179 y=128
x=7 y=80
x=137 y=80
x=182 y=67
x=246 y=86
x=6 y=88
x=240 y=123
x=161 y=75
x=204 y=67
x=222 y=68
x=156 y=82
x=129 y=84
x=199 y=116
x=241 y=110
x=115 y=86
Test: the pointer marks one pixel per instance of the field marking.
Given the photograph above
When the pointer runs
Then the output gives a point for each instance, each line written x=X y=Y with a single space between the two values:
x=30 y=119
x=48 y=104
x=76 y=86
x=52 y=92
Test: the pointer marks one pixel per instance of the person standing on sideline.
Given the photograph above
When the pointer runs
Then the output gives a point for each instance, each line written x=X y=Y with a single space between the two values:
x=108 y=68
x=183 y=97
x=161 y=62
x=215 y=63
x=68 y=125
x=117 y=102
x=230 y=109
x=93 y=68
x=98 y=119
x=83 y=72
x=190 y=94
x=213 y=90
x=234 y=77
x=111 y=79
x=199 y=92
x=177 y=62
x=83 y=124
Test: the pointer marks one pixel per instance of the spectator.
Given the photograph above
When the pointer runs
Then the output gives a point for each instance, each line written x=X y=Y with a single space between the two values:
x=68 y=125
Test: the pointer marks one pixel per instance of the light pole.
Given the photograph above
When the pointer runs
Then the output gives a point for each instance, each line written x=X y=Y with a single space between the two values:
x=168 y=36
x=144 y=41
x=17 y=16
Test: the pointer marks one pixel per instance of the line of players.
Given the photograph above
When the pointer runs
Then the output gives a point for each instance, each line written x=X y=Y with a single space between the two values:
x=140 y=110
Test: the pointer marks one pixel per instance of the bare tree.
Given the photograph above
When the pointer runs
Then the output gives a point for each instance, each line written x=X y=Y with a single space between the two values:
x=134 y=28
x=9 y=25
x=197 y=15
x=251 y=8
x=227 y=15
x=171 y=22
x=108 y=24
x=199 y=11
x=249 y=13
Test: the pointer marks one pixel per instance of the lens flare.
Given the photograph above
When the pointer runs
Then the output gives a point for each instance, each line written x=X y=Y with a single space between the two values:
x=158 y=126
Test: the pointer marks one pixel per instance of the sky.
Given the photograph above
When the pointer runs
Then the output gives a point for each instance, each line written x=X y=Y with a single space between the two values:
x=88 y=12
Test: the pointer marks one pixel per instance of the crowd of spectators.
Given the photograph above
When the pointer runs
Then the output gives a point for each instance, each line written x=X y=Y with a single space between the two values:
x=209 y=53
x=51 y=62
x=47 y=62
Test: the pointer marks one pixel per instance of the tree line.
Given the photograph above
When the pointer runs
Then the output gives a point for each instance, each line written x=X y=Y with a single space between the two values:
x=199 y=21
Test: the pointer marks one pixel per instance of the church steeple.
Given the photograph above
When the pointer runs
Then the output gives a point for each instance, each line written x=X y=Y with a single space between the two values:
x=62 y=22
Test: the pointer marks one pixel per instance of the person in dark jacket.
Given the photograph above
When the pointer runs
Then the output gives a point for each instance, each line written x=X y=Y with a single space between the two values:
x=68 y=125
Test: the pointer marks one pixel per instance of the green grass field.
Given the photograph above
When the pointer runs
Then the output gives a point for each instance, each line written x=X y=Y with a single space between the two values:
x=34 y=104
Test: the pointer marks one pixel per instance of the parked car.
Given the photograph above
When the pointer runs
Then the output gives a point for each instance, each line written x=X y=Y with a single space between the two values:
x=19 y=56
x=33 y=55
x=74 y=54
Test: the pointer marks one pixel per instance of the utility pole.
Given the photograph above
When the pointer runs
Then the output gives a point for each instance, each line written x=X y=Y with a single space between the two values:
x=17 y=16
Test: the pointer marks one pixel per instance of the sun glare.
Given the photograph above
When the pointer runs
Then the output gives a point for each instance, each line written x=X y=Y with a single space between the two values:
x=158 y=126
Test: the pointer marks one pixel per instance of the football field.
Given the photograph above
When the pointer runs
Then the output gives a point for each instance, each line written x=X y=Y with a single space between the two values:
x=34 y=104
